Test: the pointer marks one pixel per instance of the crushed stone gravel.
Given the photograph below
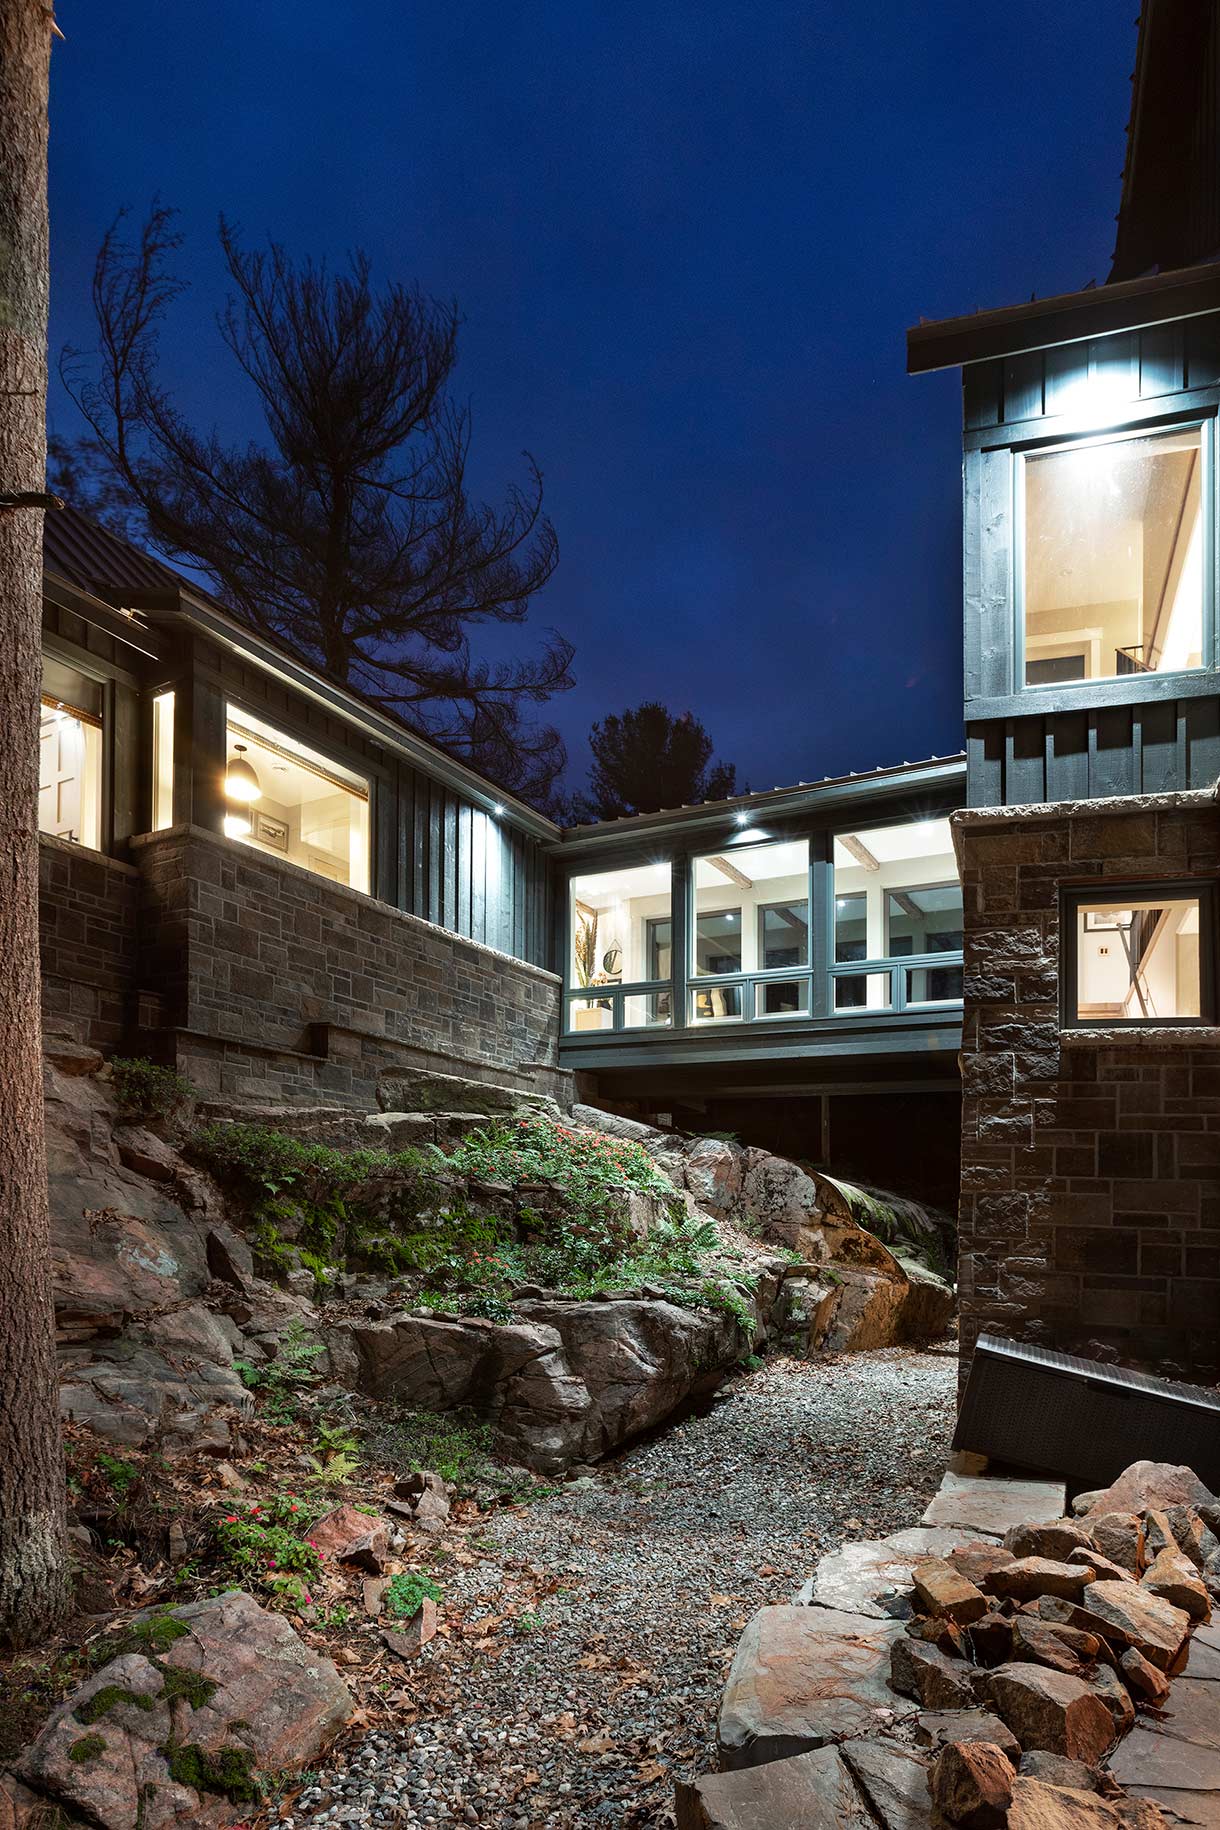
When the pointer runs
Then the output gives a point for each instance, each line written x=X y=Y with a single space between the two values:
x=585 y=1645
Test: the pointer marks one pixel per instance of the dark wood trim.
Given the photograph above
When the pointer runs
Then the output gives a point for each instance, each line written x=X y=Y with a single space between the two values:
x=1072 y=317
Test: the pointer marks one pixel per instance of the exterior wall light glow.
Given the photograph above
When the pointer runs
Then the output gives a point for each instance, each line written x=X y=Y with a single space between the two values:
x=743 y=819
x=498 y=809
x=241 y=782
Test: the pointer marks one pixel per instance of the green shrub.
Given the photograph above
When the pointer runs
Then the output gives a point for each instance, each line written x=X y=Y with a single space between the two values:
x=145 y=1090
x=406 y=1593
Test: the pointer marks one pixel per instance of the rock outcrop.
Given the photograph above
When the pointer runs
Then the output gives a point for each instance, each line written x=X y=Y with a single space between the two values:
x=213 y=1698
x=158 y=1300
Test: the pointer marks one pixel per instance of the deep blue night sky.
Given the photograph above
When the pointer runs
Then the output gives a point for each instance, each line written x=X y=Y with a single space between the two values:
x=687 y=240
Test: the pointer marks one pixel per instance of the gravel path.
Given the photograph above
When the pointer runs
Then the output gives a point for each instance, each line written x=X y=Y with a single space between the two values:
x=589 y=1635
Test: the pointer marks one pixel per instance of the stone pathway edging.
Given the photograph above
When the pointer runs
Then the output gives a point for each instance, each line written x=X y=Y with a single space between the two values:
x=985 y=1669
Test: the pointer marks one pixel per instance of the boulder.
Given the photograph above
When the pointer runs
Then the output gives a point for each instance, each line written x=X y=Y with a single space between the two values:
x=930 y=1676
x=1058 y=1770
x=814 y=1790
x=1116 y=1697
x=783 y=1204
x=715 y=1172
x=1036 y=1642
x=977 y=1561
x=935 y=1728
x=1120 y=1537
x=870 y=1577
x=1149 y=1683
x=894 y=1780
x=181 y=1732
x=1101 y=1566
x=1051 y=1710
x=1155 y=1484
x=1056 y=1540
x=1174 y=1578
x=420 y=1089
x=971 y=1784
x=1193 y=1536
x=349 y=1536
x=1027 y=1578
x=1037 y=1806
x=942 y=1590
x=1127 y=1614
x=802 y=1677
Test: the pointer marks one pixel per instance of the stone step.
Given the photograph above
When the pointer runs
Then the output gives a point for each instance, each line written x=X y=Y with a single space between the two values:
x=989 y=1504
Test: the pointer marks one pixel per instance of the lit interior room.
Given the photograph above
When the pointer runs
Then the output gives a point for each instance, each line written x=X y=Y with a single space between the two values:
x=622 y=934
x=70 y=755
x=751 y=915
x=284 y=799
x=1138 y=962
x=1114 y=559
x=897 y=896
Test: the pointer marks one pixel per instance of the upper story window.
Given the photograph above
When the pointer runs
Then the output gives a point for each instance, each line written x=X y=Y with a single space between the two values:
x=620 y=923
x=897 y=917
x=70 y=755
x=285 y=799
x=1139 y=954
x=1114 y=558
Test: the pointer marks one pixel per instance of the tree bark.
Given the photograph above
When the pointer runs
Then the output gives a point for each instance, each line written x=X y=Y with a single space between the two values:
x=34 y=1582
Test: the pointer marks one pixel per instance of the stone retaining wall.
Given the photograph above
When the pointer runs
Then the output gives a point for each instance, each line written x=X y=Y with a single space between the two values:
x=263 y=981
x=1090 y=1205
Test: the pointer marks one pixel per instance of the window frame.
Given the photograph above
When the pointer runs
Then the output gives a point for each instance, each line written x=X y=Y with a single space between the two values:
x=747 y=980
x=233 y=704
x=1204 y=422
x=1174 y=889
x=891 y=966
x=107 y=677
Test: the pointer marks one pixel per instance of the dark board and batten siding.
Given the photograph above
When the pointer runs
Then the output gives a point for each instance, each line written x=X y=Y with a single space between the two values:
x=435 y=854
x=1118 y=737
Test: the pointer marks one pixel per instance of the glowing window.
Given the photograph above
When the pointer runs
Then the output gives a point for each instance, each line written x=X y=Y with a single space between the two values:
x=1114 y=558
x=1139 y=955
x=285 y=799
x=163 y=762
x=70 y=755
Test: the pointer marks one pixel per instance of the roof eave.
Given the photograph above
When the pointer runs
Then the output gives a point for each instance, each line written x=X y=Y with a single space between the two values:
x=1070 y=317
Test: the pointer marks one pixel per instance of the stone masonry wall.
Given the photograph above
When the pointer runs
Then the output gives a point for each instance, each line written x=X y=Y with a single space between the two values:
x=88 y=908
x=279 y=983
x=1090 y=1203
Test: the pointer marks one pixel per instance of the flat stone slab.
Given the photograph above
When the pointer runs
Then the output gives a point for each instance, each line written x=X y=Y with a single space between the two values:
x=1148 y=1761
x=803 y=1677
x=873 y=1576
x=814 y=1791
x=1191 y=1712
x=1184 y=1810
x=989 y=1506
x=1203 y=1660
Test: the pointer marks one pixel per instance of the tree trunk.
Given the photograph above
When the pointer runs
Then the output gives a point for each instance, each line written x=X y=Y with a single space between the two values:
x=34 y=1583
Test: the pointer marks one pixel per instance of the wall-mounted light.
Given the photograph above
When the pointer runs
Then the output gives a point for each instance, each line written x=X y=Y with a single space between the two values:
x=498 y=809
x=241 y=782
x=237 y=825
x=743 y=818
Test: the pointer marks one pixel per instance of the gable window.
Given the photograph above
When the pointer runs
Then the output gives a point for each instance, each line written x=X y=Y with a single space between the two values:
x=897 y=918
x=70 y=755
x=285 y=799
x=1114 y=558
x=1140 y=954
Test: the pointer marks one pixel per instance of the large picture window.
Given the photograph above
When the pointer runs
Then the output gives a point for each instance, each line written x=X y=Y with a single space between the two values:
x=285 y=799
x=897 y=899
x=1142 y=954
x=1114 y=558
x=621 y=933
x=750 y=919
x=70 y=755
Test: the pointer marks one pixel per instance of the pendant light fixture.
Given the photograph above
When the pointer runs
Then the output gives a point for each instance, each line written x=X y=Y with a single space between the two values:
x=241 y=782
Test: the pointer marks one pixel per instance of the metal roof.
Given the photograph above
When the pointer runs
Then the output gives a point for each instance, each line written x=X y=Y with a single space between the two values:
x=88 y=556
x=933 y=770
